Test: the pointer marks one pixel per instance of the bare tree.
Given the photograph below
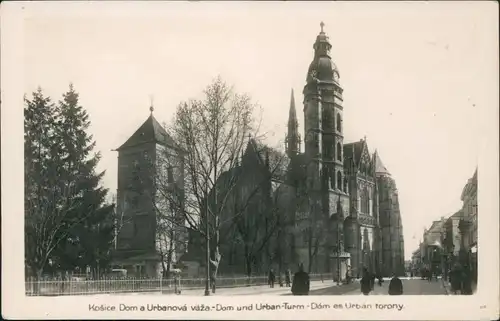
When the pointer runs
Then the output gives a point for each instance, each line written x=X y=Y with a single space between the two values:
x=194 y=181
x=261 y=213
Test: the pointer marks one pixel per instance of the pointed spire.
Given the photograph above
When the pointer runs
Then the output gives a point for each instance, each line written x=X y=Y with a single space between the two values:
x=292 y=115
x=293 y=137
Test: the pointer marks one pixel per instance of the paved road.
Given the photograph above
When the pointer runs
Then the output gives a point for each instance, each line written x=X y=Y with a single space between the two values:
x=410 y=287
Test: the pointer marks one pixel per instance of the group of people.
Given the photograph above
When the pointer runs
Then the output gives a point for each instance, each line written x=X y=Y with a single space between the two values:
x=368 y=283
x=300 y=284
x=461 y=279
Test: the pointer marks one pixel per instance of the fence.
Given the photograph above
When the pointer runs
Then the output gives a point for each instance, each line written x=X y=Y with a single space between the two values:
x=166 y=286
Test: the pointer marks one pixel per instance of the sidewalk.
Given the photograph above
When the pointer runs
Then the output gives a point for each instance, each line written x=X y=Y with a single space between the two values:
x=257 y=290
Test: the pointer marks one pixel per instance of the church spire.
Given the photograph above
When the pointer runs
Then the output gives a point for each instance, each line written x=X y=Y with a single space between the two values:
x=292 y=137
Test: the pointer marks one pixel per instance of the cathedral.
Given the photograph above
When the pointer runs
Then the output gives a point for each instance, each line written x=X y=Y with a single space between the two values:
x=335 y=204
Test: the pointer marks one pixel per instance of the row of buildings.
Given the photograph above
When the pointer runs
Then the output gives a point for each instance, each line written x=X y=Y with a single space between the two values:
x=336 y=204
x=453 y=240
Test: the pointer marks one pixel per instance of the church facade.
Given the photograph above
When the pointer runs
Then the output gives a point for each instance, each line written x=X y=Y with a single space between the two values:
x=338 y=204
x=329 y=205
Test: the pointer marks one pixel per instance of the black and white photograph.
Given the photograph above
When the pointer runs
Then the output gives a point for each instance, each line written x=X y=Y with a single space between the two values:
x=203 y=151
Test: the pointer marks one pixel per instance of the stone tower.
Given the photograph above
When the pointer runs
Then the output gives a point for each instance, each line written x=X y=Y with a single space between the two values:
x=137 y=243
x=326 y=183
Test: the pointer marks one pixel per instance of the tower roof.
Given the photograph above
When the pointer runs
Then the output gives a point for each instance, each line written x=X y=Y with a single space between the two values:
x=149 y=132
x=380 y=168
x=322 y=67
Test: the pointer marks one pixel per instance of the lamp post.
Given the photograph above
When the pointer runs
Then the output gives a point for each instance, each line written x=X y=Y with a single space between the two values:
x=207 y=241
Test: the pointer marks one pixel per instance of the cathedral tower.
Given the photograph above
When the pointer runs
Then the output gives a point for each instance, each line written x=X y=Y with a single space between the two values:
x=326 y=183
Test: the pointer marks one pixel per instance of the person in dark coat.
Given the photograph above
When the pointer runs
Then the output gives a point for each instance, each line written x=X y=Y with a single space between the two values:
x=366 y=282
x=456 y=279
x=288 y=278
x=395 y=286
x=300 y=284
x=271 y=279
x=467 y=281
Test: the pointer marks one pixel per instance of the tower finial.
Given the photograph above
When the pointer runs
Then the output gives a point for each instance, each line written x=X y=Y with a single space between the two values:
x=151 y=103
x=322 y=24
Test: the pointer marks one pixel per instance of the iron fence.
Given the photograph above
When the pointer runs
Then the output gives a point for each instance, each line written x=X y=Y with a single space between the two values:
x=132 y=285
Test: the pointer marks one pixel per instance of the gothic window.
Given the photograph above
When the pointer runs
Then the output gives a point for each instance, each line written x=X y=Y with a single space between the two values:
x=170 y=175
x=339 y=151
x=365 y=201
x=339 y=123
x=339 y=180
x=345 y=184
x=332 y=180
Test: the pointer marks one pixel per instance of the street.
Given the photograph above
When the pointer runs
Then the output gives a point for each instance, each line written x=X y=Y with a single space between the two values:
x=410 y=287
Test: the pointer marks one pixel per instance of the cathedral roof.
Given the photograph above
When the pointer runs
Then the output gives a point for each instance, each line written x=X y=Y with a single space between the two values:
x=149 y=132
x=353 y=151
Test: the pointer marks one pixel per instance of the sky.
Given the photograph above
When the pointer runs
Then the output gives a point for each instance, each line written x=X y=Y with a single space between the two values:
x=413 y=75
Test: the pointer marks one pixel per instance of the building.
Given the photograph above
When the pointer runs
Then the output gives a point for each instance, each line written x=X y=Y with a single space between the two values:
x=468 y=224
x=391 y=226
x=327 y=196
x=144 y=247
x=453 y=240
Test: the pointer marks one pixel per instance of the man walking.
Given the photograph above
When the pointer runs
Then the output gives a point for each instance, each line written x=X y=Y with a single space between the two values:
x=271 y=278
x=300 y=284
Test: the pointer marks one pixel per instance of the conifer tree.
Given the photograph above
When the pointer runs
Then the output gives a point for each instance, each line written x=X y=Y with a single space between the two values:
x=89 y=242
x=46 y=200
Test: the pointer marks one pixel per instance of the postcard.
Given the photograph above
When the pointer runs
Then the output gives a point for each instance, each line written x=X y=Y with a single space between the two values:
x=250 y=160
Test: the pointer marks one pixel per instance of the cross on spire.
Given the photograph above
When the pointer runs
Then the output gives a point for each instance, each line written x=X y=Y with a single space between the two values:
x=322 y=24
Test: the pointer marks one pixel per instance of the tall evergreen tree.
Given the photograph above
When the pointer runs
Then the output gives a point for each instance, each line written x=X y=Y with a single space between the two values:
x=45 y=199
x=89 y=242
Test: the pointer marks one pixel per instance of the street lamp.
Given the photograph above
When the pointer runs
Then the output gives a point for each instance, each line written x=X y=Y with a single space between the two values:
x=207 y=241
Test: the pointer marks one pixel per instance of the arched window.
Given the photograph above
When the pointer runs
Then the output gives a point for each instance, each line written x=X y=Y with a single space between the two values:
x=332 y=180
x=345 y=185
x=365 y=201
x=339 y=180
x=339 y=152
x=339 y=123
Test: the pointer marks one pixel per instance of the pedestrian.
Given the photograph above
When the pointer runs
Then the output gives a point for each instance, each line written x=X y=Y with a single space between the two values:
x=467 y=281
x=301 y=284
x=455 y=280
x=366 y=286
x=395 y=286
x=372 y=280
x=288 y=277
x=380 y=280
x=271 y=278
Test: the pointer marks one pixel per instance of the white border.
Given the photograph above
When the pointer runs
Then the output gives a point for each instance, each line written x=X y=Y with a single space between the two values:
x=15 y=305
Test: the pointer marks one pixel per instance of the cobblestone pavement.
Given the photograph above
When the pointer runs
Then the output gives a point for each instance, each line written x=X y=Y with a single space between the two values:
x=410 y=287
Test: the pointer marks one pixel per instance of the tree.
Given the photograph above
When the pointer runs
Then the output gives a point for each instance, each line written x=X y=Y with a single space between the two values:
x=47 y=201
x=66 y=220
x=262 y=217
x=88 y=243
